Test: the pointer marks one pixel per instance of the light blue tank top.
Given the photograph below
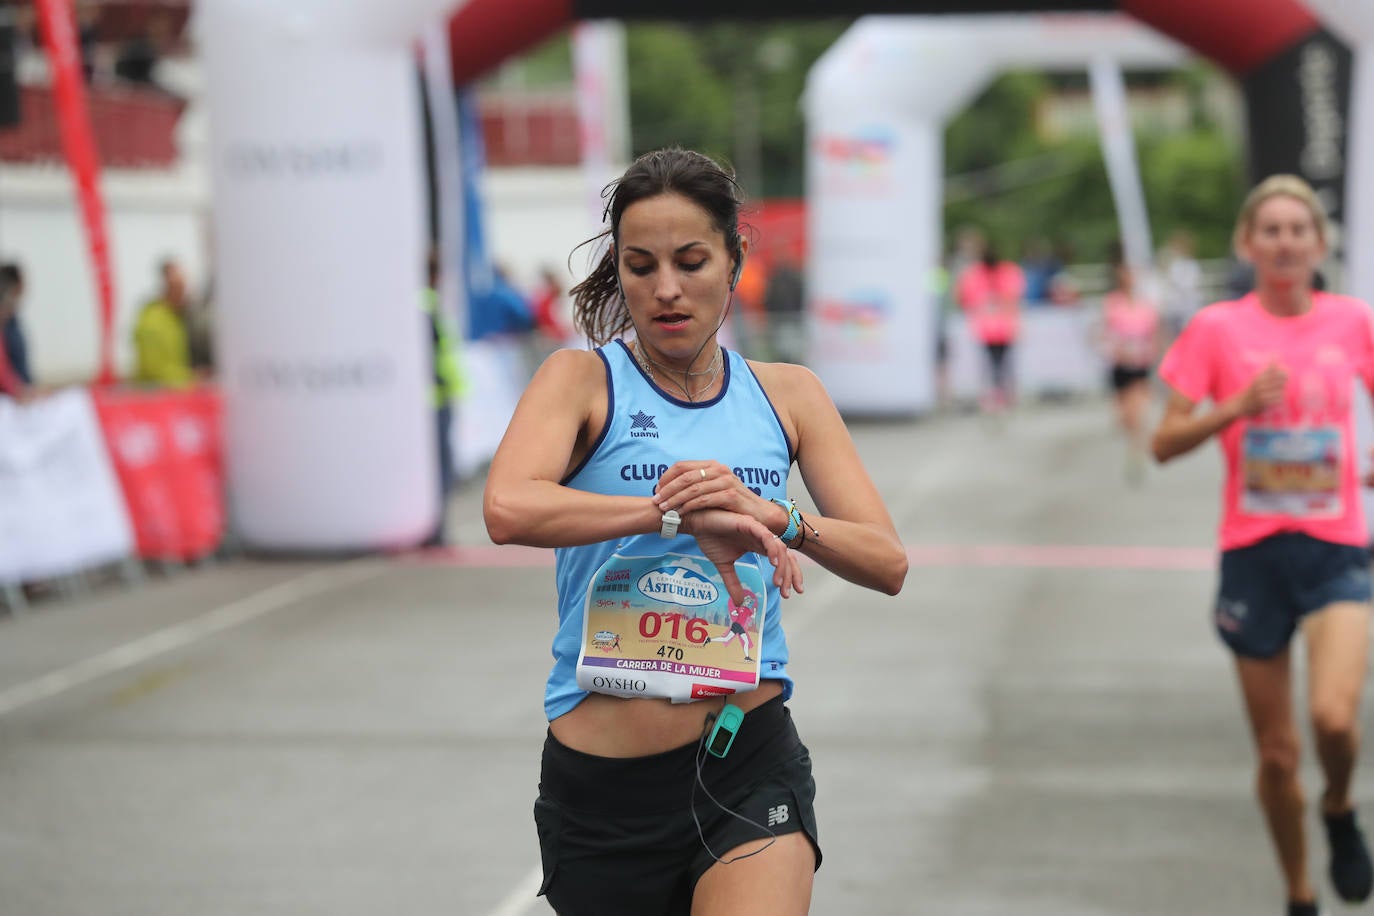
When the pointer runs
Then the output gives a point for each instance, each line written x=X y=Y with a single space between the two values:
x=646 y=431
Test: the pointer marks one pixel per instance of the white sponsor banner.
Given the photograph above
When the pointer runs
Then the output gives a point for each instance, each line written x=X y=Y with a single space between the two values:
x=602 y=107
x=61 y=510
x=1054 y=352
x=1364 y=441
x=873 y=220
x=496 y=371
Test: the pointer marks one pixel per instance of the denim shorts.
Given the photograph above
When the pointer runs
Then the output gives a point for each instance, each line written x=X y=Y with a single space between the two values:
x=617 y=837
x=1269 y=586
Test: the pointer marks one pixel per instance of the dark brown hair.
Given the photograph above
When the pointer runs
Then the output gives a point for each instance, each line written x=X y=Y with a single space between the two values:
x=599 y=311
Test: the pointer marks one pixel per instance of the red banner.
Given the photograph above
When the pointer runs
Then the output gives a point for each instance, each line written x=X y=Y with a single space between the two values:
x=57 y=23
x=165 y=447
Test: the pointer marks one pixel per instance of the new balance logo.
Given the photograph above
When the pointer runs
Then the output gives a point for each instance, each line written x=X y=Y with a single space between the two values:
x=777 y=815
x=1230 y=615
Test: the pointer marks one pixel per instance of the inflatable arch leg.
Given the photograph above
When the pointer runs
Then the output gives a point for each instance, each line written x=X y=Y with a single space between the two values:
x=319 y=266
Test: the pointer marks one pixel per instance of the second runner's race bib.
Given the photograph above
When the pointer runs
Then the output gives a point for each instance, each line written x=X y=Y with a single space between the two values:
x=665 y=627
x=1295 y=472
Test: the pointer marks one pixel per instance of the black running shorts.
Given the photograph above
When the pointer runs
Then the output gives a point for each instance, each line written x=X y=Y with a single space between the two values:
x=1267 y=588
x=616 y=835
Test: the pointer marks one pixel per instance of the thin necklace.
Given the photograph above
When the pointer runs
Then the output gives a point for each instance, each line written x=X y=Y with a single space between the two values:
x=709 y=370
x=717 y=362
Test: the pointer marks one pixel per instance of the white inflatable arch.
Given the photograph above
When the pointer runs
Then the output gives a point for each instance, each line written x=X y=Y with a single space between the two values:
x=876 y=105
x=317 y=175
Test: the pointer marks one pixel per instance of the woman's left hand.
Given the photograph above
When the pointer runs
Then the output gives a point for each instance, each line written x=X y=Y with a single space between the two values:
x=724 y=537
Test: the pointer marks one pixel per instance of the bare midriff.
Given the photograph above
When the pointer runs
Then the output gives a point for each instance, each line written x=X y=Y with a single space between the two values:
x=607 y=726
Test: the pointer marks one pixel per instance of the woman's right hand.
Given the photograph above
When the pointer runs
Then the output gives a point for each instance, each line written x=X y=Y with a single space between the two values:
x=1265 y=391
x=692 y=486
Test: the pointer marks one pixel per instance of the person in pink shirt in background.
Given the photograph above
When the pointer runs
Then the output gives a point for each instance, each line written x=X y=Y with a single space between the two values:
x=1130 y=338
x=1279 y=366
x=990 y=291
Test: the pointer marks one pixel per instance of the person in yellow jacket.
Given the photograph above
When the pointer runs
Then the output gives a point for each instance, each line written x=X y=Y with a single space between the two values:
x=161 y=345
x=448 y=387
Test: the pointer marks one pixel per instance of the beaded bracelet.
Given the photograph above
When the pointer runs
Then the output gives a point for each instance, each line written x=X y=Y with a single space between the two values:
x=793 y=521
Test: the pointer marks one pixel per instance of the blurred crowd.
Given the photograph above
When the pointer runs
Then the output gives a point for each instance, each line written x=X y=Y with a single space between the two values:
x=1048 y=275
x=122 y=45
x=171 y=336
x=995 y=297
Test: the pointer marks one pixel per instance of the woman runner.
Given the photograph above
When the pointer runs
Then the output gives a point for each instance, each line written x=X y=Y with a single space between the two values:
x=1279 y=365
x=657 y=466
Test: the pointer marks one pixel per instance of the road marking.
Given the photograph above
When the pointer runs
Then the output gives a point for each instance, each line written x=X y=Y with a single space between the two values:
x=523 y=897
x=182 y=634
x=1063 y=556
x=1032 y=556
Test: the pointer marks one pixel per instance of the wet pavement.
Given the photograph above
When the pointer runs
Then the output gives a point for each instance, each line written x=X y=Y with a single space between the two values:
x=1041 y=723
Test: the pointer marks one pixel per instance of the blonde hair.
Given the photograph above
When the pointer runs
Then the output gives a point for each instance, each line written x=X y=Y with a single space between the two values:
x=1280 y=186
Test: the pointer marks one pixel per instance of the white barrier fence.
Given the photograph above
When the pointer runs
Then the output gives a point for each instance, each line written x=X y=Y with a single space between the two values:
x=61 y=509
x=496 y=372
x=1054 y=353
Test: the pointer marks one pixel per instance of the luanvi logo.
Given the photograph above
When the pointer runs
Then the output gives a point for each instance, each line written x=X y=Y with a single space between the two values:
x=322 y=159
x=323 y=374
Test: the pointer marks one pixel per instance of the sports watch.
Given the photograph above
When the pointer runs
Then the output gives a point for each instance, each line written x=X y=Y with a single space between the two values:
x=670 y=522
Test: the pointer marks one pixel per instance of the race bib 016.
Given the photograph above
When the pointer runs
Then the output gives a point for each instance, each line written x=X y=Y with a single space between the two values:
x=665 y=627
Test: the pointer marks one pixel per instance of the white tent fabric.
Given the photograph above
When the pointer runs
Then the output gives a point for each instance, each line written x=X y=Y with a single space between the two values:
x=1118 y=149
x=1354 y=22
x=876 y=105
x=317 y=169
x=603 y=108
x=448 y=172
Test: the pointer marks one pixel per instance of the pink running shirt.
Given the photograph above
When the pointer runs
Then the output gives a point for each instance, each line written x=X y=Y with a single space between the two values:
x=991 y=297
x=1292 y=468
x=1132 y=330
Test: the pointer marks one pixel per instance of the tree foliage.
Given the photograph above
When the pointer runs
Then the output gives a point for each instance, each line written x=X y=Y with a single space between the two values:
x=1193 y=178
x=1194 y=181
x=687 y=81
x=688 y=84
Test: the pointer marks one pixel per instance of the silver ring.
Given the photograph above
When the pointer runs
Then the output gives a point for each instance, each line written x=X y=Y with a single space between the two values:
x=703 y=473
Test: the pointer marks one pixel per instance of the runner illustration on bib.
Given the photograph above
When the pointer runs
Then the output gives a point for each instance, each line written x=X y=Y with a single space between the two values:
x=660 y=611
x=740 y=616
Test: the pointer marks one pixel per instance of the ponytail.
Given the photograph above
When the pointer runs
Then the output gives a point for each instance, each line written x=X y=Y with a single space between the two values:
x=598 y=309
